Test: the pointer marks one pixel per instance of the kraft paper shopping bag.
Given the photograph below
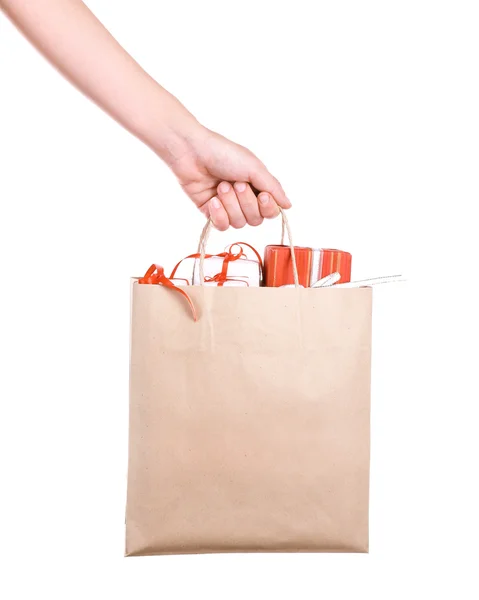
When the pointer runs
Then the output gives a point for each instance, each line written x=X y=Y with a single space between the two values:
x=249 y=429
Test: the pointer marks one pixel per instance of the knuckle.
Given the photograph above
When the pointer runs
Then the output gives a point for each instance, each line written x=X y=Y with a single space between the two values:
x=248 y=201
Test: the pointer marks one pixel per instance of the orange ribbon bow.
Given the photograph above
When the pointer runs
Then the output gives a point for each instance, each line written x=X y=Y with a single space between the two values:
x=156 y=273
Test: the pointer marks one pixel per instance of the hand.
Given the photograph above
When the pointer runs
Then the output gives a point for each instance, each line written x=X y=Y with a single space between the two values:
x=225 y=181
x=221 y=178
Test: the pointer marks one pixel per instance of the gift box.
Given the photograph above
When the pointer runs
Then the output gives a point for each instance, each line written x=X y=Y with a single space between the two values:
x=229 y=268
x=313 y=264
x=245 y=274
x=243 y=271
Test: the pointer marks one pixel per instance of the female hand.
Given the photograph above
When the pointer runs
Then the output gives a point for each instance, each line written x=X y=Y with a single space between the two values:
x=226 y=181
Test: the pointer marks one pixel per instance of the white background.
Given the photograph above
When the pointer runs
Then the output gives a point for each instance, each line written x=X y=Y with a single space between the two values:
x=368 y=114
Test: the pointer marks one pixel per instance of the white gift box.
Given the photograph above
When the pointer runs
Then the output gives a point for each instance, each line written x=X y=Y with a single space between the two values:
x=239 y=273
x=243 y=270
x=239 y=270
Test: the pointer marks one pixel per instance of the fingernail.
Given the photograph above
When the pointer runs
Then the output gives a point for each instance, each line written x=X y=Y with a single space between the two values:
x=263 y=198
x=215 y=203
x=225 y=187
x=289 y=202
x=240 y=186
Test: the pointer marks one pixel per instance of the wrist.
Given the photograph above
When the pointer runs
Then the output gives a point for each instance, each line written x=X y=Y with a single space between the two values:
x=176 y=133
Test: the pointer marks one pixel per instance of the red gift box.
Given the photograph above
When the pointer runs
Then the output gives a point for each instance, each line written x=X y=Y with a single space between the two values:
x=313 y=264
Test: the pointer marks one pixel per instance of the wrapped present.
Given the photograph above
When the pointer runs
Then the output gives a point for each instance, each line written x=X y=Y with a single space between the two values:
x=229 y=268
x=242 y=270
x=313 y=264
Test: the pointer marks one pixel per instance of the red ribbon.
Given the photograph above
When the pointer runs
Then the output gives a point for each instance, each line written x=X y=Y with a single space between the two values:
x=156 y=273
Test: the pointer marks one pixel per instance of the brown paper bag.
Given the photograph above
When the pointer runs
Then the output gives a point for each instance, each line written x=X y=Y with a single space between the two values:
x=249 y=429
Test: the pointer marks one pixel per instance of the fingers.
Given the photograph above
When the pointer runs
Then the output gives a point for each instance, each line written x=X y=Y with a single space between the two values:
x=267 y=206
x=238 y=205
x=228 y=198
x=218 y=214
x=248 y=203
x=263 y=181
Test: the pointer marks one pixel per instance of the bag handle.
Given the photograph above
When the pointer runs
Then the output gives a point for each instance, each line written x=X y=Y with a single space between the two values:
x=285 y=227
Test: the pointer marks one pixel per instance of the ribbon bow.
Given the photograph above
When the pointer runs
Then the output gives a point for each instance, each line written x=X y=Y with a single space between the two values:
x=156 y=273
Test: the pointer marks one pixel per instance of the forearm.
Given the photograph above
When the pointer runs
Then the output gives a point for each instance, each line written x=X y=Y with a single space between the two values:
x=104 y=71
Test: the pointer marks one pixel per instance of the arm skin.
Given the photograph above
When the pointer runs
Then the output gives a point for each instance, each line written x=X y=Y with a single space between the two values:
x=217 y=174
